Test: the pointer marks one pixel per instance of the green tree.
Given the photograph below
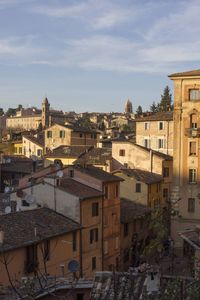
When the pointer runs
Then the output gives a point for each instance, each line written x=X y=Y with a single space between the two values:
x=139 y=110
x=1 y=112
x=154 y=108
x=166 y=100
x=11 y=112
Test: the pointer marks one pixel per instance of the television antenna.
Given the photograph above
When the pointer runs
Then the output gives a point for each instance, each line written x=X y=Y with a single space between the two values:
x=7 y=210
x=60 y=174
x=30 y=199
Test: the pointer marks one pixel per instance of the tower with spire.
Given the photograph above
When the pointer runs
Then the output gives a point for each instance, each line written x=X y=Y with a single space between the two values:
x=45 y=113
x=128 y=107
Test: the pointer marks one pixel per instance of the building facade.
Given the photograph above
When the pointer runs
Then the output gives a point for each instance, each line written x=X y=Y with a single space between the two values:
x=186 y=166
x=156 y=132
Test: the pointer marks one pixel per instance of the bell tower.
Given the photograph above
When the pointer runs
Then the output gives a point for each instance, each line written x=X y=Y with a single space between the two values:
x=45 y=113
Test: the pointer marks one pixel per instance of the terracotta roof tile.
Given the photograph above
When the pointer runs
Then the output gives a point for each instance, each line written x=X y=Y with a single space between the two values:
x=187 y=73
x=19 y=228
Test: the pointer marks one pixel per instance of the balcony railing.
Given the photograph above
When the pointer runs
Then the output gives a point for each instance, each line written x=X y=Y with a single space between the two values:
x=192 y=132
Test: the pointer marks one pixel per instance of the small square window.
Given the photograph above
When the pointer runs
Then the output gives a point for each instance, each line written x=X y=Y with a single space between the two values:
x=121 y=152
x=194 y=94
x=146 y=126
x=193 y=148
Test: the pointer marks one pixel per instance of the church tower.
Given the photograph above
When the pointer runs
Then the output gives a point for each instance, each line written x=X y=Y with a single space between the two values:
x=128 y=107
x=45 y=113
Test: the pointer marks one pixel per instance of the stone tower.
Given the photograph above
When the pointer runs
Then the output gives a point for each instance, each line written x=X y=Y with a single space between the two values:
x=185 y=195
x=128 y=107
x=45 y=113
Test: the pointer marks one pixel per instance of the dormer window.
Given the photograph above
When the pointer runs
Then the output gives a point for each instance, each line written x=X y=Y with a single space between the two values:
x=194 y=94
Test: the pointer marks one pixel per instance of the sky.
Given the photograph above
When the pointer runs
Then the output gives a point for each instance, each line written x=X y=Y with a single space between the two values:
x=93 y=55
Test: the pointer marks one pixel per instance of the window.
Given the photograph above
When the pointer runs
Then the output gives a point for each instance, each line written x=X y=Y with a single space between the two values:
x=117 y=191
x=193 y=121
x=192 y=175
x=147 y=143
x=81 y=135
x=31 y=258
x=191 y=205
x=49 y=134
x=105 y=221
x=116 y=242
x=146 y=126
x=105 y=248
x=15 y=150
x=39 y=152
x=165 y=193
x=161 y=125
x=46 y=250
x=126 y=255
x=62 y=134
x=71 y=173
x=160 y=143
x=93 y=235
x=194 y=94
x=94 y=264
x=138 y=188
x=105 y=192
x=121 y=152
x=74 y=246
x=95 y=209
x=80 y=296
x=125 y=229
x=20 y=150
x=193 y=148
x=165 y=172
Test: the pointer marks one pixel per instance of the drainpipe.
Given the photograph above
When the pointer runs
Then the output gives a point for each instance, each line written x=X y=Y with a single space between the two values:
x=151 y=160
x=81 y=246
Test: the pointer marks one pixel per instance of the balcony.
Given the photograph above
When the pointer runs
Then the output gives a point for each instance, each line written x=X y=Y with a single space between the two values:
x=192 y=132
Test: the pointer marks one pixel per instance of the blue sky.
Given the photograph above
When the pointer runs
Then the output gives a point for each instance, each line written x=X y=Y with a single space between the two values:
x=92 y=55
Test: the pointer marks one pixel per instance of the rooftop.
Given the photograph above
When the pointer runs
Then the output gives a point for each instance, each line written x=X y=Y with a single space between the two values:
x=187 y=73
x=159 y=116
x=98 y=173
x=36 y=140
x=96 y=156
x=78 y=189
x=19 y=227
x=131 y=210
x=68 y=151
x=141 y=175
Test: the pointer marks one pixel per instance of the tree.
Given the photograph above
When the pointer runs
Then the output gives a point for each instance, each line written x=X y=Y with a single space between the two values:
x=166 y=100
x=154 y=108
x=11 y=112
x=139 y=110
x=1 y=112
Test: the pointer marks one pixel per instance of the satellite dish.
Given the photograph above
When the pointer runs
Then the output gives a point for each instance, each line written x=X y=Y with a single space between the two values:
x=30 y=199
x=73 y=266
x=7 y=189
x=7 y=209
x=59 y=174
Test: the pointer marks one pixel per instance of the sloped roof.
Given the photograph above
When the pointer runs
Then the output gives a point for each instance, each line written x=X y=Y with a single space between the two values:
x=96 y=156
x=159 y=116
x=78 y=189
x=98 y=173
x=187 y=73
x=131 y=210
x=143 y=176
x=68 y=151
x=36 y=140
x=19 y=227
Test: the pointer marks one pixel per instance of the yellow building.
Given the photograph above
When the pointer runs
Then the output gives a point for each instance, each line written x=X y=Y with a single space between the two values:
x=141 y=187
x=156 y=132
x=69 y=135
x=186 y=166
x=33 y=146
x=65 y=154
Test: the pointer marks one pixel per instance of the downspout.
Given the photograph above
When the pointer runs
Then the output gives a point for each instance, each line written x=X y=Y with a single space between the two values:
x=151 y=160
x=81 y=246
